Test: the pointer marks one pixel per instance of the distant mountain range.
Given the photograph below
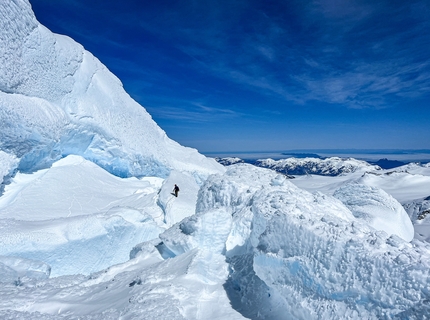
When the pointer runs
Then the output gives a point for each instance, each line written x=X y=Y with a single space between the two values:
x=333 y=166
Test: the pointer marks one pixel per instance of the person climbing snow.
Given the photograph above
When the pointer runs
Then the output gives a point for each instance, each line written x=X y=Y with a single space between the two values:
x=176 y=190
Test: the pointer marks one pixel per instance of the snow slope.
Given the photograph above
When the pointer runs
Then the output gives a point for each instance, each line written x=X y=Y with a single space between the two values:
x=75 y=212
x=86 y=239
x=77 y=209
x=57 y=99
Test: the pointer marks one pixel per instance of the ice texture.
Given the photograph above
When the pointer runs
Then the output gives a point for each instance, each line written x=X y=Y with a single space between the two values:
x=89 y=227
x=8 y=165
x=301 y=254
x=57 y=99
x=377 y=208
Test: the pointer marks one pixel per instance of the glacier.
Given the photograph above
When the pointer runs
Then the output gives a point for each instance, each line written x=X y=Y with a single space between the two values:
x=89 y=228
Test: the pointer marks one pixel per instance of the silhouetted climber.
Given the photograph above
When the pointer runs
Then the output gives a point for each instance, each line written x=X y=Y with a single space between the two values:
x=176 y=190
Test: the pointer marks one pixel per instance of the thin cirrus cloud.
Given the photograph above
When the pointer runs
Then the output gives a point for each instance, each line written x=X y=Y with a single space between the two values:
x=338 y=53
x=353 y=53
x=192 y=112
x=304 y=73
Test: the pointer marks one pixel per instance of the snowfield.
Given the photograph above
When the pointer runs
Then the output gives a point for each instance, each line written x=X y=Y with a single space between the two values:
x=90 y=228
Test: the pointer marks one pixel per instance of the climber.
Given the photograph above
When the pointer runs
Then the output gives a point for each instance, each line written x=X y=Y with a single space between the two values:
x=176 y=190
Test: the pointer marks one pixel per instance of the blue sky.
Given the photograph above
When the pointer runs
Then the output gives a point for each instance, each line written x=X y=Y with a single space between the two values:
x=265 y=75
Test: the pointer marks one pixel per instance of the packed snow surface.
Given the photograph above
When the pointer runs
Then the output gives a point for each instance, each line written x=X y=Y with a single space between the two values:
x=90 y=229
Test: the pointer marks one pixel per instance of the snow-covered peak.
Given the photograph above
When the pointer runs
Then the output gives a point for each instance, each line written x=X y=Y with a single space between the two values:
x=58 y=99
x=328 y=167
x=414 y=168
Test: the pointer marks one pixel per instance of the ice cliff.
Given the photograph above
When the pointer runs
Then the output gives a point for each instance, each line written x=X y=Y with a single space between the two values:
x=57 y=99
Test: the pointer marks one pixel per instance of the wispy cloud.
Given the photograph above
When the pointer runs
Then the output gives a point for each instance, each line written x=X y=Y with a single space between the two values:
x=375 y=84
x=331 y=52
x=354 y=53
x=192 y=112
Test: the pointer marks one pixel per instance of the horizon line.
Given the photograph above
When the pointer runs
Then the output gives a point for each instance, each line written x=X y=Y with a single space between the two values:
x=349 y=150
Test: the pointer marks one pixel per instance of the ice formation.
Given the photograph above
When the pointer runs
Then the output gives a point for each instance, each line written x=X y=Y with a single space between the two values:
x=57 y=99
x=90 y=229
x=377 y=208
x=299 y=255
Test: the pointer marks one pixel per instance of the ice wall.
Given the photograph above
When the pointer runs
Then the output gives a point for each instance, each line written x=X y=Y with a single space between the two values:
x=57 y=99
x=297 y=255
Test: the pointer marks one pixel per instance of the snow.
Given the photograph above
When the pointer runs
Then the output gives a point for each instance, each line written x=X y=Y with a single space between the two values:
x=90 y=229
x=77 y=208
x=306 y=248
x=256 y=246
x=377 y=208
x=15 y=270
x=58 y=99
x=332 y=166
x=8 y=164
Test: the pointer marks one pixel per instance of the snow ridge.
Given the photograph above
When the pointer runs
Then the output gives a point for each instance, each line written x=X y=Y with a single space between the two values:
x=58 y=99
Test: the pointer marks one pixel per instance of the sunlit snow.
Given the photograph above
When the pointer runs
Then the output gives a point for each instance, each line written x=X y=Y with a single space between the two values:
x=90 y=228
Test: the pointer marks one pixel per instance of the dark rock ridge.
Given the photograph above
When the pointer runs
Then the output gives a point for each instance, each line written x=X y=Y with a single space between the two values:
x=388 y=164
